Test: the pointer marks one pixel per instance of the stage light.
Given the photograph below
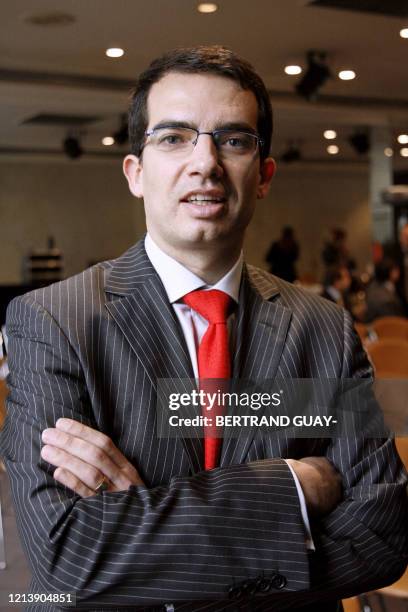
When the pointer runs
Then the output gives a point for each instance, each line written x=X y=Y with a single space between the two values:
x=72 y=147
x=292 y=154
x=121 y=136
x=360 y=141
x=315 y=77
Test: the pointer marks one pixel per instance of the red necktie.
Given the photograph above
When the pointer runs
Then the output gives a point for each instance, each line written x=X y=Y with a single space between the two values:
x=213 y=358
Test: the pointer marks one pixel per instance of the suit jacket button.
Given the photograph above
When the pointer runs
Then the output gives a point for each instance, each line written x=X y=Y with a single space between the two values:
x=263 y=585
x=278 y=581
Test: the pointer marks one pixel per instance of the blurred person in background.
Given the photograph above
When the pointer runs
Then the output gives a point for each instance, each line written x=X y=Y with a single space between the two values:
x=335 y=253
x=338 y=283
x=382 y=296
x=283 y=254
x=399 y=253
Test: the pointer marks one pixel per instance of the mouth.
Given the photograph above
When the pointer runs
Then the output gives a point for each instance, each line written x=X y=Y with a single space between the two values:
x=205 y=206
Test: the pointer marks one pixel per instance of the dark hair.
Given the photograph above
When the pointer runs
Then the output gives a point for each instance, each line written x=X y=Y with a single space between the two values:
x=382 y=270
x=334 y=274
x=197 y=60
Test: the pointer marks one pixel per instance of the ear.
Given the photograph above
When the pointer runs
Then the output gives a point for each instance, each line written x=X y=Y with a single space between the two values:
x=133 y=170
x=267 y=170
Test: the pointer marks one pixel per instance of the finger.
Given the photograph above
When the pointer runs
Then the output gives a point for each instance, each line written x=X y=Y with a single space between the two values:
x=89 y=454
x=86 y=473
x=97 y=438
x=68 y=479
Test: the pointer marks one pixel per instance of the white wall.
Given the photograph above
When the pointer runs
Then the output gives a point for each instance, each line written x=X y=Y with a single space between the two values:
x=314 y=198
x=86 y=205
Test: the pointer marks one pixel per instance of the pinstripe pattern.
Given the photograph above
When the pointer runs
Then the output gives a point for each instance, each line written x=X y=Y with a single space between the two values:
x=91 y=348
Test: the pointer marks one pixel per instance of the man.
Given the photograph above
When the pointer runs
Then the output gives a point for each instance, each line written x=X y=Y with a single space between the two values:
x=283 y=254
x=130 y=519
x=382 y=297
x=399 y=253
x=338 y=282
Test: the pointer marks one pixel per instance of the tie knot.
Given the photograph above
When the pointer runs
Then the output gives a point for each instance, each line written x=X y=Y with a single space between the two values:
x=213 y=305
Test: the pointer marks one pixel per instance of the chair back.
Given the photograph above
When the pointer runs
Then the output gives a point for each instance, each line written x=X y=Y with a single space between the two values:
x=390 y=356
x=391 y=327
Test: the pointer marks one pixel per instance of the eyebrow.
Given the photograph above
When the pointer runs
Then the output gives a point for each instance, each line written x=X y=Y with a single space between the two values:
x=231 y=125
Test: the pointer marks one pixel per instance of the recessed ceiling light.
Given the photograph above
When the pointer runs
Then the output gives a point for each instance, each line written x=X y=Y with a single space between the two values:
x=347 y=75
x=403 y=138
x=388 y=152
x=333 y=149
x=114 y=52
x=293 y=69
x=404 y=33
x=330 y=134
x=404 y=152
x=207 y=7
x=108 y=140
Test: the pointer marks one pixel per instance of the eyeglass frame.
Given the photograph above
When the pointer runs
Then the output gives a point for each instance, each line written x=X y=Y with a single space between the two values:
x=259 y=140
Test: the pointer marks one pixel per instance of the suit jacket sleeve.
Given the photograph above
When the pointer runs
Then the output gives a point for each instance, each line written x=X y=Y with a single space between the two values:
x=186 y=541
x=362 y=544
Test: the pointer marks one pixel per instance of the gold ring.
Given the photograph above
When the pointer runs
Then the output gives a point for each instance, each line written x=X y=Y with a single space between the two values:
x=102 y=486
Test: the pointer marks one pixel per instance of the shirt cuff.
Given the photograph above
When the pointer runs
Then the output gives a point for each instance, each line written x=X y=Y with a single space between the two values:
x=303 y=509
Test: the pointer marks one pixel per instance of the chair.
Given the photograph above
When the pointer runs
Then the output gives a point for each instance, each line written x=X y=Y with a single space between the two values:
x=389 y=356
x=351 y=604
x=391 y=327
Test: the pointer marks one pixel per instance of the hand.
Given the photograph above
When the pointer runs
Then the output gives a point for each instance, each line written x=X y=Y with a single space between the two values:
x=320 y=482
x=84 y=457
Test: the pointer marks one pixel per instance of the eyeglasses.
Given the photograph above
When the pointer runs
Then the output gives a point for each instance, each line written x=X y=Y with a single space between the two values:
x=182 y=140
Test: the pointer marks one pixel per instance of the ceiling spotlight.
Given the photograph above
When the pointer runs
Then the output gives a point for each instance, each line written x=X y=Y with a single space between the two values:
x=347 y=75
x=403 y=138
x=114 y=52
x=316 y=75
x=293 y=70
x=404 y=33
x=333 y=149
x=388 y=152
x=292 y=154
x=404 y=152
x=108 y=141
x=360 y=141
x=207 y=7
x=330 y=134
x=72 y=147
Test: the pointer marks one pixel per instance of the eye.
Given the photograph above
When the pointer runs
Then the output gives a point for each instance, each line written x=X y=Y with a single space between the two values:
x=236 y=140
x=172 y=137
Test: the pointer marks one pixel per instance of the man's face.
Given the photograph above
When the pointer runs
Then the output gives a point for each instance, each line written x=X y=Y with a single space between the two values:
x=169 y=182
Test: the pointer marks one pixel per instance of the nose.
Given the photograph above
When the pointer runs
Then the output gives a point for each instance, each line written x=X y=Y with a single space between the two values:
x=205 y=158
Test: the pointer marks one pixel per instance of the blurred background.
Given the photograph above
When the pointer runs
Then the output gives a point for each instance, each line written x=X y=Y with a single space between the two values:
x=62 y=194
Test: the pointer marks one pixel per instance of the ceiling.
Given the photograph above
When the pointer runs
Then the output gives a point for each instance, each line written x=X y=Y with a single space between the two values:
x=62 y=69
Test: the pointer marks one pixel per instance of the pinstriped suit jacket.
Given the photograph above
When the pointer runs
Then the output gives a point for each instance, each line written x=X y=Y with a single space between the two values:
x=91 y=348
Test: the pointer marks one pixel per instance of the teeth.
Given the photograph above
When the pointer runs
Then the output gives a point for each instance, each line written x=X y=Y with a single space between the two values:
x=204 y=198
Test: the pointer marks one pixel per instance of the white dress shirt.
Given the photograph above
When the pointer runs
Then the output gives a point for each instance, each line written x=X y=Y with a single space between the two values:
x=178 y=281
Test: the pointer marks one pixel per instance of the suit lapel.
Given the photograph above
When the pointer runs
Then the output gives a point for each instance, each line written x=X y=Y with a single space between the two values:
x=262 y=326
x=139 y=305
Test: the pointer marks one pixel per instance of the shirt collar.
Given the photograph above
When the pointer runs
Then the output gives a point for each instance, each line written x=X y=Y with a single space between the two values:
x=179 y=280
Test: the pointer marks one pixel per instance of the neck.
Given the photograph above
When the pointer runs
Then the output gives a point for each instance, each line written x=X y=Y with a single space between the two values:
x=210 y=264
